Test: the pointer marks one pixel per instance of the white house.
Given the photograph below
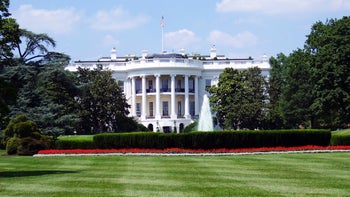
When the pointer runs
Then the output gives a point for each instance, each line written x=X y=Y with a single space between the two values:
x=166 y=90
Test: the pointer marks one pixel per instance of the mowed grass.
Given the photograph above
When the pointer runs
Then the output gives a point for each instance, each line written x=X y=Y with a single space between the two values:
x=323 y=174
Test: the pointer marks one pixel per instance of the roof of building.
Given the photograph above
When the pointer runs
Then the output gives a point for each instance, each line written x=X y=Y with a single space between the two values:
x=164 y=55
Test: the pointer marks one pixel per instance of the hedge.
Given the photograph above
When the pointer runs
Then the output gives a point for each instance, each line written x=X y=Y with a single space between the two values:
x=74 y=144
x=338 y=140
x=212 y=140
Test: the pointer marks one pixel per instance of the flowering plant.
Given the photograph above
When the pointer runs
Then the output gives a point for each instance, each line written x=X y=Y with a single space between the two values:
x=180 y=150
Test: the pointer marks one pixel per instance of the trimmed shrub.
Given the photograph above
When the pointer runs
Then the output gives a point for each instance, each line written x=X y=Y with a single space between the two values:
x=31 y=146
x=25 y=129
x=340 y=139
x=212 y=140
x=12 y=145
x=75 y=143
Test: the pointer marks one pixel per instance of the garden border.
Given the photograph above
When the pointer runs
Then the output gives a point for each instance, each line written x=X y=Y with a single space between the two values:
x=196 y=154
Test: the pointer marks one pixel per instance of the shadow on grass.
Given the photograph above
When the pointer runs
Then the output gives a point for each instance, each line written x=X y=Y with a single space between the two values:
x=10 y=174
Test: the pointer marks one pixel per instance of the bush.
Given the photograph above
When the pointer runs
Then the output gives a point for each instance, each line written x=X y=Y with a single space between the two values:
x=25 y=129
x=9 y=131
x=12 y=145
x=22 y=137
x=191 y=127
x=127 y=140
x=341 y=137
x=75 y=143
x=31 y=146
x=212 y=140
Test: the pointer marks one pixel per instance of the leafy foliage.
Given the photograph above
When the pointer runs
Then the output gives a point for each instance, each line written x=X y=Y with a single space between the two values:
x=311 y=86
x=329 y=43
x=239 y=99
x=214 y=140
x=295 y=96
x=21 y=136
x=102 y=103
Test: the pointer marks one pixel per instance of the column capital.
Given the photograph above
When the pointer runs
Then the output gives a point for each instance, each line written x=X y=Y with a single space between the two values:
x=157 y=75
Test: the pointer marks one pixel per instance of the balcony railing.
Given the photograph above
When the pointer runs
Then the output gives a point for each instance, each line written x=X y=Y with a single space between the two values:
x=162 y=90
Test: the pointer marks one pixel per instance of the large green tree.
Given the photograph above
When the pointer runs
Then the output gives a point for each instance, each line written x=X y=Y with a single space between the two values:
x=295 y=96
x=239 y=99
x=276 y=82
x=329 y=44
x=9 y=33
x=103 y=106
x=32 y=46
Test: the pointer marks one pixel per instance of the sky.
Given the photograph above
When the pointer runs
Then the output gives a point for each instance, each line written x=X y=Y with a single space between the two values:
x=89 y=29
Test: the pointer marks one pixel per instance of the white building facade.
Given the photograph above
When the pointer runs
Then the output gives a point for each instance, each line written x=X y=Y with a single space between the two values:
x=165 y=91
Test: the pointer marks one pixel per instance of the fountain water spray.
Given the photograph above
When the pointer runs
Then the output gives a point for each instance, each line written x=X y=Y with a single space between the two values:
x=205 y=122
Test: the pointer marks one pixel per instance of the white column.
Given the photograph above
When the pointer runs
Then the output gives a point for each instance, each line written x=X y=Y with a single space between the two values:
x=187 y=100
x=173 y=114
x=144 y=100
x=196 y=97
x=158 y=116
x=133 y=97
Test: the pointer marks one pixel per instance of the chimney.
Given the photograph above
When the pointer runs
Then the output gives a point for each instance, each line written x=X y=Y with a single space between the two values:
x=144 y=54
x=212 y=52
x=113 y=54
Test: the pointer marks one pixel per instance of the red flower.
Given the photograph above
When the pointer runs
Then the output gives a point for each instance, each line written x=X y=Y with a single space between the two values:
x=180 y=150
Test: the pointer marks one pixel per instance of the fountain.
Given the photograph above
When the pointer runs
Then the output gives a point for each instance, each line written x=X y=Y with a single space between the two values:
x=205 y=122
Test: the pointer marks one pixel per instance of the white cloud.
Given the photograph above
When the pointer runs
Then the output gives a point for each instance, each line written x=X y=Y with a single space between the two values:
x=243 y=39
x=116 y=20
x=282 y=6
x=180 y=39
x=59 y=21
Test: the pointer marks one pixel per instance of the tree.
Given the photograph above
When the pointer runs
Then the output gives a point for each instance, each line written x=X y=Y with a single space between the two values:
x=103 y=106
x=295 y=99
x=329 y=45
x=9 y=33
x=239 y=99
x=276 y=81
x=35 y=45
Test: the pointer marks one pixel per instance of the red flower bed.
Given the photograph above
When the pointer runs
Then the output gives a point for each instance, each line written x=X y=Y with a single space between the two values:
x=179 y=150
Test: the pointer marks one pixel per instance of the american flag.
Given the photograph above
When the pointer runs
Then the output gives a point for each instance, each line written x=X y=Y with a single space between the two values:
x=162 y=22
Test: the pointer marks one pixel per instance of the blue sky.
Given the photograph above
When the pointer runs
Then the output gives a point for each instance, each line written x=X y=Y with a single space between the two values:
x=87 y=30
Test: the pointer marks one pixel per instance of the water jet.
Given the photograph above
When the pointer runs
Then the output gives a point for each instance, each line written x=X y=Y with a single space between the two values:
x=205 y=122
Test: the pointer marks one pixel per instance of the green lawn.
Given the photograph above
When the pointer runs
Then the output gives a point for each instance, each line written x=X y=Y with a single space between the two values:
x=324 y=174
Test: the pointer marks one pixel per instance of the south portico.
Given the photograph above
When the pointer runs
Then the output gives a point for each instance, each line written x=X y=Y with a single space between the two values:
x=163 y=101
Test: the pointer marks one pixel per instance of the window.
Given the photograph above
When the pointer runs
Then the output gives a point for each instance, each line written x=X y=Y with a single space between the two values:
x=164 y=85
x=150 y=84
x=179 y=108
x=138 y=86
x=207 y=83
x=138 y=109
x=192 y=110
x=191 y=85
x=178 y=83
x=121 y=85
x=151 y=109
x=165 y=108
x=178 y=86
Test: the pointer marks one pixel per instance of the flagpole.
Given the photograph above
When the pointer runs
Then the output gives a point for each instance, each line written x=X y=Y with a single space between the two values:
x=162 y=25
x=162 y=39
